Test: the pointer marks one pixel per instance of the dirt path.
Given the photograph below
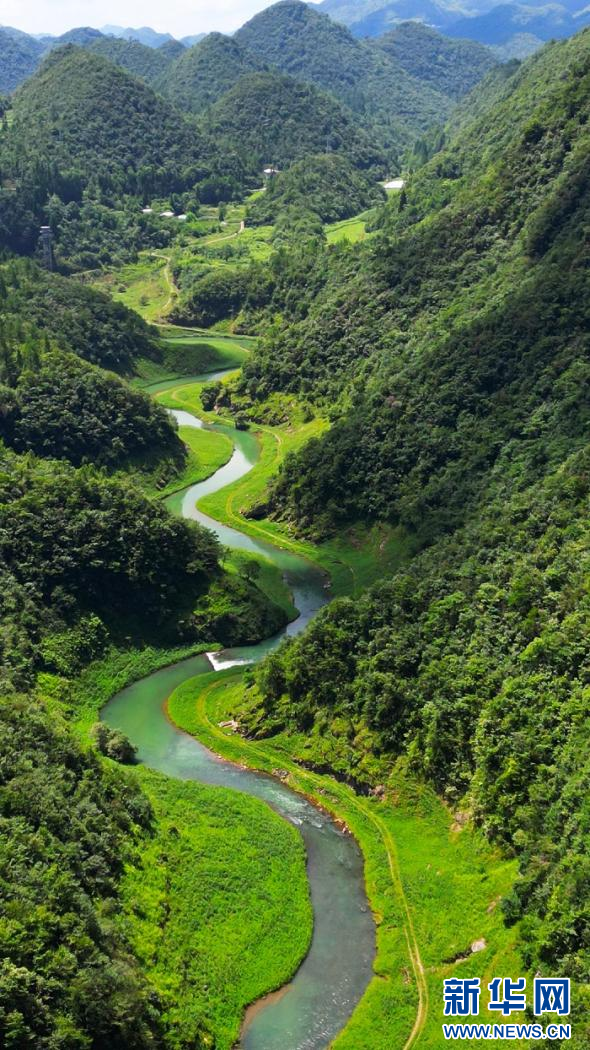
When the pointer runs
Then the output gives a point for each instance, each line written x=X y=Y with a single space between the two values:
x=409 y=931
x=171 y=286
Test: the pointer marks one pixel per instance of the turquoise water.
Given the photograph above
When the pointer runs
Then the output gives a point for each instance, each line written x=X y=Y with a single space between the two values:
x=315 y=1006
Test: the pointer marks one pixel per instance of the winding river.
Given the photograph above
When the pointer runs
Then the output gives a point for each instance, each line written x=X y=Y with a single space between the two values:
x=309 y=1012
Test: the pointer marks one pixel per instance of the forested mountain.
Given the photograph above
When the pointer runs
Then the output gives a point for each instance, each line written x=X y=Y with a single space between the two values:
x=475 y=200
x=87 y=145
x=111 y=128
x=373 y=17
x=305 y=44
x=148 y=63
x=274 y=119
x=453 y=353
x=20 y=55
x=452 y=67
x=207 y=71
x=82 y=36
x=56 y=403
x=80 y=319
x=516 y=30
x=60 y=870
x=327 y=185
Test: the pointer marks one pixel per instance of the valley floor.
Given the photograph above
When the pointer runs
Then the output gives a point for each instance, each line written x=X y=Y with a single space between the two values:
x=205 y=891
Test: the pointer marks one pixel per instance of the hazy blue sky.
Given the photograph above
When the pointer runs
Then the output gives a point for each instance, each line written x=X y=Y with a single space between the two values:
x=179 y=17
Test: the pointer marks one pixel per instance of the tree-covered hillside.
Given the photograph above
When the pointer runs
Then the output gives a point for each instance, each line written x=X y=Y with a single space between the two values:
x=463 y=251
x=68 y=828
x=20 y=55
x=453 y=355
x=274 y=119
x=86 y=146
x=148 y=63
x=112 y=129
x=326 y=184
x=305 y=44
x=56 y=403
x=78 y=318
x=200 y=76
x=452 y=67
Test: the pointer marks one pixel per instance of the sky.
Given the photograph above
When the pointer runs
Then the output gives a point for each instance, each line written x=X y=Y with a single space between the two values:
x=179 y=17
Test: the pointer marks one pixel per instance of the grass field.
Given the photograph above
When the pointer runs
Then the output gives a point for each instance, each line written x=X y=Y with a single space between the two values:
x=185 y=354
x=433 y=883
x=143 y=286
x=217 y=910
x=351 y=230
x=207 y=452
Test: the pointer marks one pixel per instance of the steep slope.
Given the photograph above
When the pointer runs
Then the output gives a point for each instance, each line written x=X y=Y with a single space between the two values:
x=466 y=327
x=451 y=307
x=20 y=56
x=148 y=63
x=308 y=45
x=206 y=72
x=327 y=185
x=110 y=125
x=85 y=137
x=76 y=318
x=50 y=785
x=81 y=36
x=452 y=67
x=87 y=145
x=519 y=46
x=437 y=15
x=65 y=406
x=270 y=118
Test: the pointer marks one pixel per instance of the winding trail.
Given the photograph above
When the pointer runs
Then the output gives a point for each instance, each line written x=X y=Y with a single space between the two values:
x=172 y=289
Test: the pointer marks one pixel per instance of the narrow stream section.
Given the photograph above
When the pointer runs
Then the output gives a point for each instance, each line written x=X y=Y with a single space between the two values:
x=309 y=1012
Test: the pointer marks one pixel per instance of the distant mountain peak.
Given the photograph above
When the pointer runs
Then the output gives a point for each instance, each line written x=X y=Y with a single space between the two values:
x=145 y=35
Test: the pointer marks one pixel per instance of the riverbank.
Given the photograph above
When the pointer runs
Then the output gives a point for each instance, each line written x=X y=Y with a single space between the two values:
x=217 y=910
x=434 y=884
x=394 y=1011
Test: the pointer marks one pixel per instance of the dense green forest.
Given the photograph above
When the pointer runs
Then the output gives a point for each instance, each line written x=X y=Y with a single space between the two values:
x=87 y=146
x=77 y=318
x=327 y=185
x=68 y=977
x=452 y=67
x=147 y=63
x=277 y=120
x=21 y=55
x=206 y=71
x=113 y=130
x=298 y=40
x=65 y=408
x=452 y=353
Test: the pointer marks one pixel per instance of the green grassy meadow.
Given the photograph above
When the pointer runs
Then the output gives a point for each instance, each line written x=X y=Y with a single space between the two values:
x=143 y=286
x=217 y=909
x=207 y=452
x=351 y=230
x=188 y=353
